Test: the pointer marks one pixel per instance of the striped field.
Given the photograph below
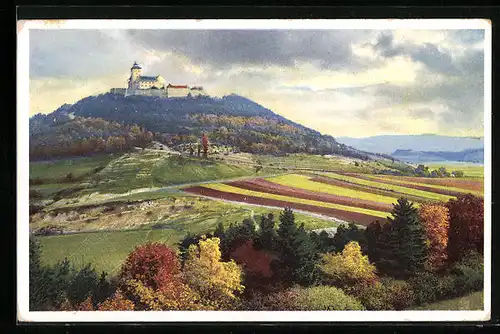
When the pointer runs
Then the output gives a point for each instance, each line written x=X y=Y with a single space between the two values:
x=361 y=198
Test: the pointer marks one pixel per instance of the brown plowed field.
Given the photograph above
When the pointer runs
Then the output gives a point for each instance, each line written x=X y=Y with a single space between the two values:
x=359 y=218
x=373 y=190
x=463 y=184
x=278 y=189
x=412 y=186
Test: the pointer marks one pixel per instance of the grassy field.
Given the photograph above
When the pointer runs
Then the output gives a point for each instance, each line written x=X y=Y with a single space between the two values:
x=58 y=169
x=473 y=301
x=107 y=250
x=329 y=163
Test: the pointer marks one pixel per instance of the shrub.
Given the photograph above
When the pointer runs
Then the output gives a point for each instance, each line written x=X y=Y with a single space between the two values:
x=469 y=273
x=327 y=298
x=374 y=297
x=348 y=268
x=426 y=287
x=400 y=293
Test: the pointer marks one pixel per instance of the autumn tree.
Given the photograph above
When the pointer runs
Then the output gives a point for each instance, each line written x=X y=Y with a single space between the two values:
x=466 y=231
x=435 y=219
x=347 y=269
x=204 y=143
x=213 y=279
x=254 y=262
x=155 y=265
x=116 y=303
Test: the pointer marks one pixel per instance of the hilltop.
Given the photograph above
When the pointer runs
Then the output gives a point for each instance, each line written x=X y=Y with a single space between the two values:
x=232 y=120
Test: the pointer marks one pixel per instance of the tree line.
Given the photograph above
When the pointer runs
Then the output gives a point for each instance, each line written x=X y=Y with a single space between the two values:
x=417 y=256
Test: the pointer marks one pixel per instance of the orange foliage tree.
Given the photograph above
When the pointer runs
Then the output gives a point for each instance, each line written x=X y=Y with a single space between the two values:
x=155 y=265
x=116 y=303
x=435 y=219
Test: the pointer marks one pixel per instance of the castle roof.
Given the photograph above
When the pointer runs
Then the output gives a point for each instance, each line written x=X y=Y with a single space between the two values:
x=197 y=88
x=177 y=86
x=136 y=66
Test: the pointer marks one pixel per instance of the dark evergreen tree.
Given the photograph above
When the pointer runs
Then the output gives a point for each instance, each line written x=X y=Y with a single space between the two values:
x=346 y=234
x=267 y=235
x=323 y=241
x=373 y=234
x=306 y=253
x=103 y=291
x=83 y=284
x=404 y=248
x=297 y=251
x=219 y=231
x=37 y=278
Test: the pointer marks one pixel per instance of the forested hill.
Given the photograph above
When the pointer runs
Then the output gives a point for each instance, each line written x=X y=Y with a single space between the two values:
x=232 y=120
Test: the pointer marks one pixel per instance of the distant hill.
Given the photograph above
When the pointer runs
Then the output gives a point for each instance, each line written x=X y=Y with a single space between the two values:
x=428 y=143
x=232 y=120
x=473 y=155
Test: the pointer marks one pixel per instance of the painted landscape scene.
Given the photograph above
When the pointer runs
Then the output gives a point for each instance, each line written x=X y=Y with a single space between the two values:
x=256 y=170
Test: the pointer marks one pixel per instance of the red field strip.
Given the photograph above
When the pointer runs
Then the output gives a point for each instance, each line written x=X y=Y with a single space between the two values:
x=278 y=189
x=409 y=185
x=463 y=184
x=359 y=218
x=368 y=189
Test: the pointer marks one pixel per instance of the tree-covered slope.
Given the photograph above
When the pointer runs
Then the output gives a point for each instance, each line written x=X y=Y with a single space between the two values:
x=231 y=120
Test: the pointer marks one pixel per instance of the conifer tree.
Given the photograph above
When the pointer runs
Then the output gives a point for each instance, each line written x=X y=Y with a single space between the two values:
x=267 y=233
x=306 y=255
x=404 y=245
x=219 y=231
x=297 y=251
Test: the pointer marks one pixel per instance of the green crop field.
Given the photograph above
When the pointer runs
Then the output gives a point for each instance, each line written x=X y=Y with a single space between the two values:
x=304 y=182
x=470 y=170
x=400 y=189
x=236 y=190
x=473 y=301
x=402 y=182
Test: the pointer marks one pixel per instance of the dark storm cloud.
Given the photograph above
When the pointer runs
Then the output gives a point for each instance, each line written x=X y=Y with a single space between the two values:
x=225 y=48
x=60 y=53
x=430 y=55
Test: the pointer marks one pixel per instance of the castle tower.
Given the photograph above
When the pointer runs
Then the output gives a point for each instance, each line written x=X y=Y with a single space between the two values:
x=135 y=74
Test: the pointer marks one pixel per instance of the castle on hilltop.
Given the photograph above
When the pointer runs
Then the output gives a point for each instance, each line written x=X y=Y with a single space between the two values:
x=139 y=84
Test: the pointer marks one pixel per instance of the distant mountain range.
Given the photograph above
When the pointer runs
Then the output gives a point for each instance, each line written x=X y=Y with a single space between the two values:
x=473 y=155
x=419 y=148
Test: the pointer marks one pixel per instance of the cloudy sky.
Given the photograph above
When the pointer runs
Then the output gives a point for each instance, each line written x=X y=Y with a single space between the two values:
x=341 y=82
